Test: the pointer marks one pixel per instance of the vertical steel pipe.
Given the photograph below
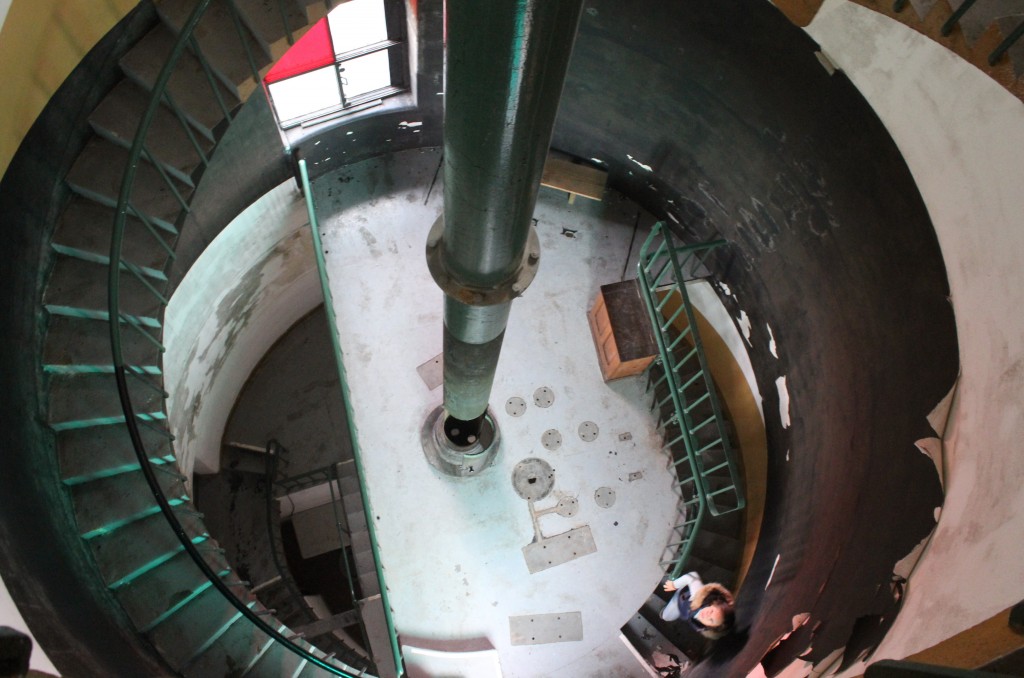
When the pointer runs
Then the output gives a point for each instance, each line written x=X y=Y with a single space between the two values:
x=505 y=66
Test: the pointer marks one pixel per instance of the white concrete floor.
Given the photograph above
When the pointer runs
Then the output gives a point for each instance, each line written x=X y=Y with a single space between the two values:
x=451 y=548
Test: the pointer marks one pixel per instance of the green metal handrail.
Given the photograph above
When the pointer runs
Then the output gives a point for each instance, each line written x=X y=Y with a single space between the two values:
x=687 y=379
x=117 y=317
x=332 y=323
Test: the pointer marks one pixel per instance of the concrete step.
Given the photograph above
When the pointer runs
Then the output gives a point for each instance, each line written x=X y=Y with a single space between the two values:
x=286 y=608
x=728 y=524
x=267 y=24
x=84 y=397
x=168 y=141
x=711 y=572
x=87 y=225
x=99 y=170
x=244 y=458
x=364 y=564
x=314 y=10
x=679 y=634
x=227 y=50
x=375 y=622
x=189 y=88
x=274 y=660
x=195 y=628
x=78 y=283
x=127 y=553
x=79 y=342
x=716 y=548
x=88 y=454
x=652 y=645
x=108 y=503
x=237 y=643
x=156 y=596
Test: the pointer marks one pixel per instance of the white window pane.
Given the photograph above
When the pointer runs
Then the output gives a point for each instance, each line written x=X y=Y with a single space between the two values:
x=366 y=73
x=357 y=23
x=305 y=94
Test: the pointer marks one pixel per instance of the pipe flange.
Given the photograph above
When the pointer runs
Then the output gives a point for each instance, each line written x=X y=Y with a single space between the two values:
x=482 y=296
x=459 y=460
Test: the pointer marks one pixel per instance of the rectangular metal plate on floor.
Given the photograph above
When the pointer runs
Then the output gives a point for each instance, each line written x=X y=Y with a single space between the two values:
x=560 y=549
x=432 y=372
x=537 y=629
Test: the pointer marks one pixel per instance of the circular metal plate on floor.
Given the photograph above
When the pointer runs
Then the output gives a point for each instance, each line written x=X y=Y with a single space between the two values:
x=543 y=397
x=605 y=497
x=551 y=439
x=533 y=479
x=567 y=507
x=588 y=431
x=515 y=406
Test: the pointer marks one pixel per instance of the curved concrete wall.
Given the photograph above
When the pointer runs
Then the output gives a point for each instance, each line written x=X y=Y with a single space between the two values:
x=961 y=134
x=253 y=282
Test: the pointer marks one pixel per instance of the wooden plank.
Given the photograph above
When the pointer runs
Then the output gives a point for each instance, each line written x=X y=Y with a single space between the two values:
x=575 y=179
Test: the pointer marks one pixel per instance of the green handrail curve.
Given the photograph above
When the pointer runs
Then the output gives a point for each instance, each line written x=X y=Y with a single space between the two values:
x=332 y=323
x=116 y=318
x=688 y=381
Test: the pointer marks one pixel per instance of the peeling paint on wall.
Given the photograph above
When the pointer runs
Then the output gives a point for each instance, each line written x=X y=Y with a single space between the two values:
x=637 y=162
x=780 y=384
x=744 y=322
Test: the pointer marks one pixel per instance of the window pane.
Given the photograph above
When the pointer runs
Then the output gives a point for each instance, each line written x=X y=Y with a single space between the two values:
x=365 y=74
x=357 y=23
x=306 y=94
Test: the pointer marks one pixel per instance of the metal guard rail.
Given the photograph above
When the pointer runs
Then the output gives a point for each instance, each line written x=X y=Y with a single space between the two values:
x=116 y=317
x=688 y=381
x=332 y=322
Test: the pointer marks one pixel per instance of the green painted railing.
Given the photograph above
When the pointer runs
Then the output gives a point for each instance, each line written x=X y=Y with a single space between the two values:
x=332 y=323
x=708 y=477
x=123 y=372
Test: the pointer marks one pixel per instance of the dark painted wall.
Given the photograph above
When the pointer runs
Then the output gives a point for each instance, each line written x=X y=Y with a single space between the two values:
x=749 y=138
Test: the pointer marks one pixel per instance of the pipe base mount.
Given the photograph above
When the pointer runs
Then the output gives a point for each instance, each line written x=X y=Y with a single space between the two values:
x=459 y=460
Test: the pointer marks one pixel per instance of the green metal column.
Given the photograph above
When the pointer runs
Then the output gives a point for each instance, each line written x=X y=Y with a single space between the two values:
x=505 y=67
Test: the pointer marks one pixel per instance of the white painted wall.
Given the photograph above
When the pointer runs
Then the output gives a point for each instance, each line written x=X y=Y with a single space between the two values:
x=4 y=6
x=962 y=136
x=250 y=285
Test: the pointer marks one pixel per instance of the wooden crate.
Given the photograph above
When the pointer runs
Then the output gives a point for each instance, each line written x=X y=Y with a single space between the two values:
x=622 y=331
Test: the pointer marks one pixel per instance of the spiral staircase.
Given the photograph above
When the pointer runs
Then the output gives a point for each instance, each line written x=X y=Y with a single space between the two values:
x=142 y=562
